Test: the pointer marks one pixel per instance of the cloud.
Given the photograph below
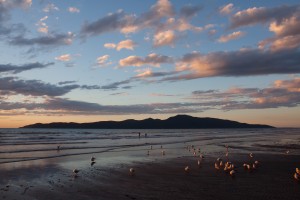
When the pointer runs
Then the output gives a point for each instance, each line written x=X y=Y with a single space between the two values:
x=10 y=4
x=50 y=7
x=49 y=40
x=102 y=60
x=20 y=68
x=66 y=82
x=163 y=95
x=148 y=73
x=6 y=6
x=5 y=9
x=115 y=85
x=142 y=75
x=42 y=26
x=152 y=59
x=64 y=57
x=15 y=86
x=164 y=38
x=157 y=19
x=245 y=62
x=231 y=36
x=63 y=106
x=119 y=94
x=125 y=44
x=33 y=87
x=110 y=45
x=73 y=10
x=256 y=15
x=162 y=9
x=109 y=23
x=285 y=43
x=287 y=34
x=189 y=11
x=282 y=93
x=227 y=9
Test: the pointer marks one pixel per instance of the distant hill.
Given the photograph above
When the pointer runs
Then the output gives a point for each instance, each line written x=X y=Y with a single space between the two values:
x=176 y=122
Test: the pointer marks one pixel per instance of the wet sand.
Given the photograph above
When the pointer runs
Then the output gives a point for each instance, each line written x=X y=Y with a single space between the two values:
x=163 y=179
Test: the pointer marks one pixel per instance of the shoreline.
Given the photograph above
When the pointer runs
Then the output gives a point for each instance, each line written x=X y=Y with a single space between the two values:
x=164 y=179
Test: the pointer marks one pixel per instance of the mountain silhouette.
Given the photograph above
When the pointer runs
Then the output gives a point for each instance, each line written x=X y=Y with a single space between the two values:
x=176 y=122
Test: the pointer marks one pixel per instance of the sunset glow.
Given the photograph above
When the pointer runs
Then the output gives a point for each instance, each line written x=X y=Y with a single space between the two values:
x=86 y=61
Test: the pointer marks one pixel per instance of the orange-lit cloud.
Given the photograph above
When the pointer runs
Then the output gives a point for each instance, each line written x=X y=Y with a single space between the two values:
x=227 y=9
x=231 y=36
x=152 y=59
x=125 y=44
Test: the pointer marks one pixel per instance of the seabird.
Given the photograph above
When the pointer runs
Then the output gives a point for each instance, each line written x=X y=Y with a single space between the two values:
x=217 y=166
x=75 y=171
x=232 y=173
x=297 y=176
x=131 y=172
x=199 y=162
x=187 y=169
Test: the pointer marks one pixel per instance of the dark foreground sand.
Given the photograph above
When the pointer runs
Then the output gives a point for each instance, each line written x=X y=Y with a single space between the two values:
x=166 y=179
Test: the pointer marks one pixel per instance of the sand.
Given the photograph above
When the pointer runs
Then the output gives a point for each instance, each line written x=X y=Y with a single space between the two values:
x=162 y=179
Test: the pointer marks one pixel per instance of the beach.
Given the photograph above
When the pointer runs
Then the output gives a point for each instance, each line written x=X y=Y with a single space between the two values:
x=158 y=176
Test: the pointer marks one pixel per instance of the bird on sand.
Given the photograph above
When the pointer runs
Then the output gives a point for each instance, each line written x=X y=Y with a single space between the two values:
x=199 y=162
x=297 y=176
x=217 y=166
x=131 y=172
x=232 y=173
x=75 y=172
x=93 y=158
x=287 y=152
x=187 y=169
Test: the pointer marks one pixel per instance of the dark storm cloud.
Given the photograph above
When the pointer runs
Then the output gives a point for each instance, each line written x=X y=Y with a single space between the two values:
x=20 y=68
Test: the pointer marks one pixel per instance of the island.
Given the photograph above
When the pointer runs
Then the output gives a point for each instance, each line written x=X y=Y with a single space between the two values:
x=176 y=122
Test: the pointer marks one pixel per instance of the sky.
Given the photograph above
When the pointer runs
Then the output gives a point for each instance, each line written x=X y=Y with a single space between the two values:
x=96 y=60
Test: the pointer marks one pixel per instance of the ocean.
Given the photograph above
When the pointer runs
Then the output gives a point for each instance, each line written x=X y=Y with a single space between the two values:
x=23 y=148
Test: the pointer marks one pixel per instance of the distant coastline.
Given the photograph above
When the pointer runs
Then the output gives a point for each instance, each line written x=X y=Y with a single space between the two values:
x=176 y=122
